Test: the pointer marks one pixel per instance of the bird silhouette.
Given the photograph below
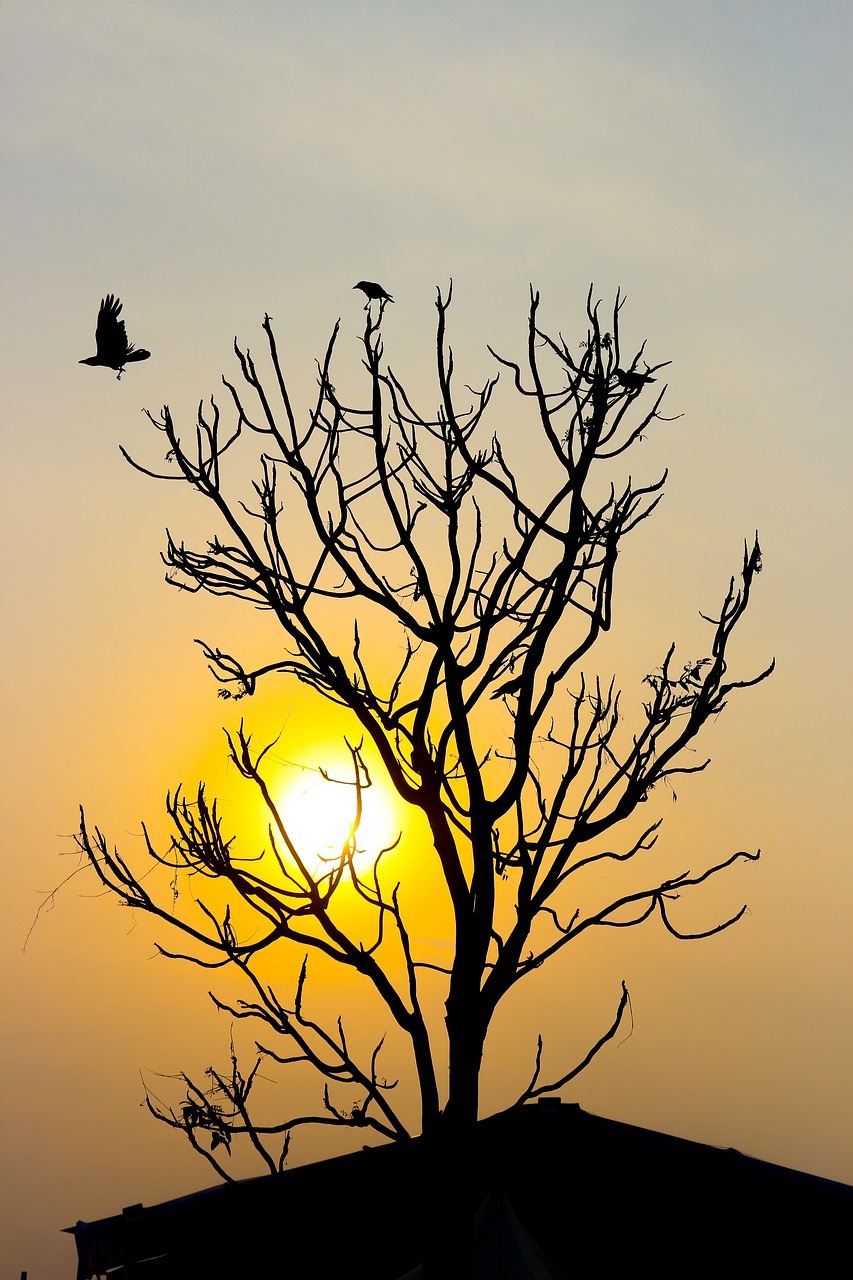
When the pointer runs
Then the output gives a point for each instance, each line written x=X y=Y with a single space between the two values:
x=114 y=350
x=373 y=292
x=632 y=379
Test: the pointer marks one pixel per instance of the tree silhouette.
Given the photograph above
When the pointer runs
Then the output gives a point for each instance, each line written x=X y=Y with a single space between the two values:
x=497 y=581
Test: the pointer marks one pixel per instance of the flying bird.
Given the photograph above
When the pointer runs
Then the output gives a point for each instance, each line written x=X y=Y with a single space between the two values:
x=373 y=292
x=114 y=350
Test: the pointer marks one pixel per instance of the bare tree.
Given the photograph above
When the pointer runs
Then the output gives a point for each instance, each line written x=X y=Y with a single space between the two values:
x=498 y=580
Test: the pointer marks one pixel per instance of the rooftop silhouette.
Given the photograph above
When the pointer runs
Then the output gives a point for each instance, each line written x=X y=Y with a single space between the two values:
x=553 y=1180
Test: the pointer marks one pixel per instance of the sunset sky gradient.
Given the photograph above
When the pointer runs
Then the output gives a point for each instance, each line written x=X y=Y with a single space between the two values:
x=209 y=162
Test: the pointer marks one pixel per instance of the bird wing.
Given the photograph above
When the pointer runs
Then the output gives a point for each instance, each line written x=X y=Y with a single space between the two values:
x=110 y=334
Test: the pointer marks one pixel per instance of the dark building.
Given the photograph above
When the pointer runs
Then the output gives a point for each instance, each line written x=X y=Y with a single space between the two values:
x=557 y=1183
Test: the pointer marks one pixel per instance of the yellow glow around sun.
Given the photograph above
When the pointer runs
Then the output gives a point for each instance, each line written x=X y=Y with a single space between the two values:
x=318 y=815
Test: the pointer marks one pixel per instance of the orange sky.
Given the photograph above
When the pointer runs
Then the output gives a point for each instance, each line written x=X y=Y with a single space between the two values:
x=212 y=162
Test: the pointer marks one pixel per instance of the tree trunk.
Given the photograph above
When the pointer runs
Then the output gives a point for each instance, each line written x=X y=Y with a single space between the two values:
x=450 y=1165
x=449 y=1206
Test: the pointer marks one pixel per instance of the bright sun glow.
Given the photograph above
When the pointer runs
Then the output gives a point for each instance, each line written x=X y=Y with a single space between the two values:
x=318 y=815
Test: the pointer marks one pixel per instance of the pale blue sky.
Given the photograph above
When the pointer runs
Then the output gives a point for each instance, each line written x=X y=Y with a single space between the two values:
x=209 y=162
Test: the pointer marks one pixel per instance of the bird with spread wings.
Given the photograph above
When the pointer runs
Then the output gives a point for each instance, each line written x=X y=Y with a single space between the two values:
x=114 y=350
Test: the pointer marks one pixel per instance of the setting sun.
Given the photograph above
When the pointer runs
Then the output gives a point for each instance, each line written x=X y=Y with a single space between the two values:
x=319 y=812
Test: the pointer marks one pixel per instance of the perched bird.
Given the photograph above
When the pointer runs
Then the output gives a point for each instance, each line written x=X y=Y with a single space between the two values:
x=633 y=380
x=114 y=350
x=373 y=292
